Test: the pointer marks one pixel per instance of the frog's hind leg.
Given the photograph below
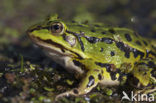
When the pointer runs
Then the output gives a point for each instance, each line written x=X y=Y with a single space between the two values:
x=145 y=72
x=91 y=79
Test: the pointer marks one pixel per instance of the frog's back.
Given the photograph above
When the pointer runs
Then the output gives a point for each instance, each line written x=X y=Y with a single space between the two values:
x=113 y=45
x=134 y=40
x=125 y=35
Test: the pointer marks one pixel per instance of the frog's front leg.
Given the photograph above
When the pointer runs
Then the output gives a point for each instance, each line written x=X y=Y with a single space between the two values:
x=95 y=74
x=90 y=80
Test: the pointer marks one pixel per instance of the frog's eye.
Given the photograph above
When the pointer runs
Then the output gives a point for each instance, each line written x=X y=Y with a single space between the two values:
x=56 y=28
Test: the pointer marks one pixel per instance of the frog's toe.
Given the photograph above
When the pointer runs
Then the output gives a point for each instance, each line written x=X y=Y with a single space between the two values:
x=73 y=92
x=65 y=94
x=147 y=90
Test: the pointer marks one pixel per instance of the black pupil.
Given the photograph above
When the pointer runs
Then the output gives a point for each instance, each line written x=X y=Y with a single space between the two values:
x=56 y=27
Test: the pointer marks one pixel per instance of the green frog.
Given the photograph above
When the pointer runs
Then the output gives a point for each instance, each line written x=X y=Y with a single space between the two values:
x=97 y=54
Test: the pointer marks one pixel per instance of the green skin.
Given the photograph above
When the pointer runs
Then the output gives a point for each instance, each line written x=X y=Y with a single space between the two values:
x=96 y=53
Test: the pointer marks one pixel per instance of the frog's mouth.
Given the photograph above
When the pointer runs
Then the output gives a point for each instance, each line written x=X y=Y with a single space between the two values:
x=53 y=47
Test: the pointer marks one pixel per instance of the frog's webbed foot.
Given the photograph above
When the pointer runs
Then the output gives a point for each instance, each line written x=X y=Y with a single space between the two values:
x=87 y=84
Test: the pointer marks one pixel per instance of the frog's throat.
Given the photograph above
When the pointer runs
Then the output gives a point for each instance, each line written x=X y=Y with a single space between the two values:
x=53 y=47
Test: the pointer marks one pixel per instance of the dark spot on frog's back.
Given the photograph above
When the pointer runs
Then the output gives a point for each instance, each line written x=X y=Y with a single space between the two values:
x=107 y=40
x=127 y=54
x=103 y=65
x=96 y=25
x=91 y=81
x=145 y=73
x=95 y=39
x=120 y=45
x=128 y=37
x=101 y=50
x=93 y=30
x=80 y=25
x=73 y=21
x=124 y=48
x=145 y=42
x=137 y=53
x=112 y=53
x=112 y=31
x=103 y=32
x=92 y=39
x=138 y=43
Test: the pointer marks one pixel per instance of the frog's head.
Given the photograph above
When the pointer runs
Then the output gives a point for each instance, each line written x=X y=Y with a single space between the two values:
x=53 y=36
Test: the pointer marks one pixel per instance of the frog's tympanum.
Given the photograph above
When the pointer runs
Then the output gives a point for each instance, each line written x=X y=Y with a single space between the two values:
x=97 y=54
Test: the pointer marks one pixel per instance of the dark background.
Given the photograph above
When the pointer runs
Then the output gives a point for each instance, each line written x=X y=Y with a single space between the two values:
x=18 y=57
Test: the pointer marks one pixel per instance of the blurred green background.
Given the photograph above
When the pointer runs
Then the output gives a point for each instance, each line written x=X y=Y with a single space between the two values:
x=18 y=57
x=17 y=15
